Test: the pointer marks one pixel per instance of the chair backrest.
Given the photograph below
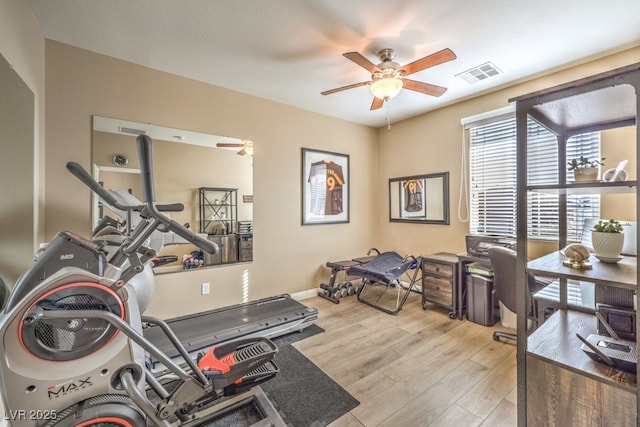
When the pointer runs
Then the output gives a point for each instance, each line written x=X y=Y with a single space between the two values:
x=503 y=261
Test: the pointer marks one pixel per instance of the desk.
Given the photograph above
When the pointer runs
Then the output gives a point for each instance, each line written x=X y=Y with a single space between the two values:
x=463 y=260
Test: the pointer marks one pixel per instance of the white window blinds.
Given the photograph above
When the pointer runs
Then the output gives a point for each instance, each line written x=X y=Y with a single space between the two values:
x=492 y=161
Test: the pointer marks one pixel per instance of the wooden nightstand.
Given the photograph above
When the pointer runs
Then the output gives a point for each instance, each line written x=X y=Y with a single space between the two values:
x=440 y=280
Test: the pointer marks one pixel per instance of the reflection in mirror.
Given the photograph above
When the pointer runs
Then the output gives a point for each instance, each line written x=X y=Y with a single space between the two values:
x=212 y=176
x=420 y=198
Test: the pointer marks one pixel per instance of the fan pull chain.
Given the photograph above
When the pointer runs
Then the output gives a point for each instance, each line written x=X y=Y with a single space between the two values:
x=387 y=119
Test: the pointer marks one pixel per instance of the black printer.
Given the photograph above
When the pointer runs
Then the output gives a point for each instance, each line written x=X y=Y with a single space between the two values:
x=478 y=245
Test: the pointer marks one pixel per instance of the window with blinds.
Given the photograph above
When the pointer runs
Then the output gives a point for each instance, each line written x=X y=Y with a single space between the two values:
x=492 y=161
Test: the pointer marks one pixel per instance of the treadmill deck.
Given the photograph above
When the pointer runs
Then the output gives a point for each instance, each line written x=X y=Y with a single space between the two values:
x=268 y=318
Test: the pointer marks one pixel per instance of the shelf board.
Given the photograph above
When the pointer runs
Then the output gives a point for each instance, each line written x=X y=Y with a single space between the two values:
x=555 y=342
x=621 y=275
x=589 y=187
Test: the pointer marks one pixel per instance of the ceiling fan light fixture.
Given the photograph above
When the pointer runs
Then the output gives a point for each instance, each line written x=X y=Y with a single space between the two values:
x=386 y=88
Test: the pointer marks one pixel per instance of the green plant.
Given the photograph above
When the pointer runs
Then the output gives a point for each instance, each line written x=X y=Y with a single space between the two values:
x=583 y=162
x=611 y=226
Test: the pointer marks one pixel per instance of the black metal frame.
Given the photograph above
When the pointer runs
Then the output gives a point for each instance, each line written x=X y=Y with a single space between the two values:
x=395 y=184
x=396 y=283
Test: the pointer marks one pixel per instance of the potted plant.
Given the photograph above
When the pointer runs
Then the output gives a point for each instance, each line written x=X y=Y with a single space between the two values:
x=607 y=239
x=585 y=169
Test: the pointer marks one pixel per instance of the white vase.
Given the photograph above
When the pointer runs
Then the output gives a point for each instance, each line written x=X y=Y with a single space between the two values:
x=607 y=245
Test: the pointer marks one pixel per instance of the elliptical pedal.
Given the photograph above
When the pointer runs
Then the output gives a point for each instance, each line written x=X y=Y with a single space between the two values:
x=258 y=376
x=255 y=350
x=237 y=364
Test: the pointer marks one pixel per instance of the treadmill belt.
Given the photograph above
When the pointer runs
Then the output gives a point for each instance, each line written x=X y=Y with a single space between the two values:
x=268 y=317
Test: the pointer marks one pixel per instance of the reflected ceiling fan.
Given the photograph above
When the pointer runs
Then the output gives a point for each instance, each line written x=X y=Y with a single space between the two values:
x=246 y=146
x=388 y=78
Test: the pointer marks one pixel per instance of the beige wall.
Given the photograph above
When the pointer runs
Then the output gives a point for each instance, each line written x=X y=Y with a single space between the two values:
x=617 y=145
x=22 y=172
x=432 y=143
x=288 y=257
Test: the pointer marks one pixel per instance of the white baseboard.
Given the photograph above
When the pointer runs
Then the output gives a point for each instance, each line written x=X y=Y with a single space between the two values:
x=305 y=294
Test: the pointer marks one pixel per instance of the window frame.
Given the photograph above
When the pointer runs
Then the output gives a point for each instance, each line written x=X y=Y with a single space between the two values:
x=542 y=220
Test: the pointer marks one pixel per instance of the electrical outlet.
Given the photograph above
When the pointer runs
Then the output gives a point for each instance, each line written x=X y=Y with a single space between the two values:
x=205 y=288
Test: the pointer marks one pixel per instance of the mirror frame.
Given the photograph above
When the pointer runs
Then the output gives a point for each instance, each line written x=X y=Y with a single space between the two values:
x=428 y=186
x=104 y=161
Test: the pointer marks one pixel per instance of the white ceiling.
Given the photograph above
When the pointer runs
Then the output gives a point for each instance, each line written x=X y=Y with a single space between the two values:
x=291 y=50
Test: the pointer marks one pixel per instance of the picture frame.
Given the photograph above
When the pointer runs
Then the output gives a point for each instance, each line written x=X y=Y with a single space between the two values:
x=326 y=187
x=412 y=198
x=422 y=199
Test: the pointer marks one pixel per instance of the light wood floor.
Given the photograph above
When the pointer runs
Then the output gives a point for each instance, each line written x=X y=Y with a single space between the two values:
x=416 y=368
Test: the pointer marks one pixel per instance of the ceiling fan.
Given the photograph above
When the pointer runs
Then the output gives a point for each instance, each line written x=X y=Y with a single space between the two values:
x=389 y=77
x=246 y=146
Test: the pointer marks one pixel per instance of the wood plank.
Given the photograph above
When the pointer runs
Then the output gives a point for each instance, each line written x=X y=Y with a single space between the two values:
x=424 y=408
x=565 y=398
x=503 y=416
x=622 y=274
x=556 y=341
x=380 y=397
x=494 y=353
x=487 y=394
x=398 y=365
x=455 y=415
x=347 y=420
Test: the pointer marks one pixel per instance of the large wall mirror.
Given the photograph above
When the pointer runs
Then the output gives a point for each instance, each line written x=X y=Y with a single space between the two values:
x=212 y=176
x=17 y=122
x=420 y=198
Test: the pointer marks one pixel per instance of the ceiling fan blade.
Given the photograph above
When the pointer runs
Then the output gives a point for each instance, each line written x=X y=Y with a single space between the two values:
x=361 y=61
x=230 y=144
x=340 y=89
x=377 y=103
x=426 y=88
x=432 y=60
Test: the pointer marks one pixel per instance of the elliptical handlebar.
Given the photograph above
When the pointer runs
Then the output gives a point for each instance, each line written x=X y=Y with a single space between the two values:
x=79 y=172
x=143 y=143
x=152 y=210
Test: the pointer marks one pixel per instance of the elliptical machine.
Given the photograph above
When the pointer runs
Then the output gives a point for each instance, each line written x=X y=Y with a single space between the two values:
x=73 y=351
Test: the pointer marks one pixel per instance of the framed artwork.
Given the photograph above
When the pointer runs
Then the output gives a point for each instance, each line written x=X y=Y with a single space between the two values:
x=412 y=198
x=420 y=199
x=325 y=187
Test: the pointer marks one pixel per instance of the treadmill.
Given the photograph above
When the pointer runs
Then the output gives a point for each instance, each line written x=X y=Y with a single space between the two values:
x=268 y=317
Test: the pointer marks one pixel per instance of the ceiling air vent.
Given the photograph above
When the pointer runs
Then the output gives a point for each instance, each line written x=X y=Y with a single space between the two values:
x=481 y=72
x=132 y=131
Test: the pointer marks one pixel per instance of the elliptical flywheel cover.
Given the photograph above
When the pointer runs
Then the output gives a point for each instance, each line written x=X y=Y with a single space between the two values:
x=69 y=339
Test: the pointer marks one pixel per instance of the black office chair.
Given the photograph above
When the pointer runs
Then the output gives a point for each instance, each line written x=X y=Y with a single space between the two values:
x=503 y=261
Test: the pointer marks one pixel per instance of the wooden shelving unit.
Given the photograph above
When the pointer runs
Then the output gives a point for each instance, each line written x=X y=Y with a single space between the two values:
x=586 y=188
x=558 y=384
